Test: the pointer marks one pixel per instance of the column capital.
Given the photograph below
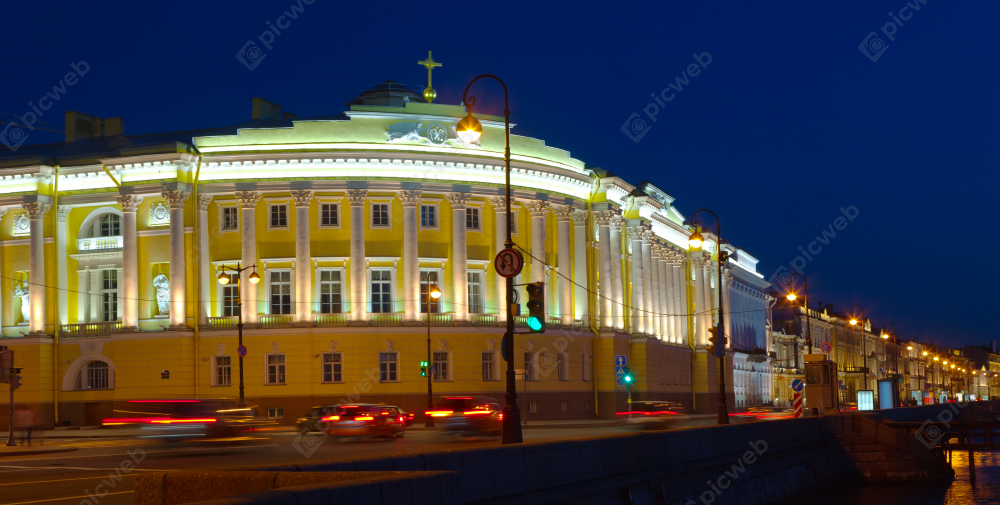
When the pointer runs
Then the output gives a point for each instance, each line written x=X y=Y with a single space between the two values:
x=603 y=217
x=175 y=197
x=129 y=203
x=302 y=197
x=62 y=213
x=35 y=210
x=537 y=208
x=248 y=199
x=204 y=201
x=616 y=221
x=580 y=217
x=563 y=212
x=635 y=232
x=647 y=234
x=357 y=197
x=458 y=200
x=500 y=203
x=410 y=197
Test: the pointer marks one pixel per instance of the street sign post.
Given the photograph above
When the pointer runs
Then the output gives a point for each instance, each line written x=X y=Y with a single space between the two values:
x=619 y=370
x=797 y=385
x=620 y=360
x=508 y=263
x=797 y=405
x=826 y=347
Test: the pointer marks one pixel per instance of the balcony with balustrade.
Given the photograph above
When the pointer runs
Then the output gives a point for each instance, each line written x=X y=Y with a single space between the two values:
x=100 y=244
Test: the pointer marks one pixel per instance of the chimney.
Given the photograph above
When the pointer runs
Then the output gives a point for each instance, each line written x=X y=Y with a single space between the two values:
x=80 y=126
x=114 y=126
x=262 y=109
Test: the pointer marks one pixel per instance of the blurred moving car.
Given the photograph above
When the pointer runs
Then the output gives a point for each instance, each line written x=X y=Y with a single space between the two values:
x=313 y=420
x=365 y=420
x=764 y=413
x=190 y=419
x=468 y=415
x=408 y=417
x=654 y=415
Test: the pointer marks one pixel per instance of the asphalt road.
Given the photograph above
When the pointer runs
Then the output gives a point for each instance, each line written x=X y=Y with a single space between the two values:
x=97 y=466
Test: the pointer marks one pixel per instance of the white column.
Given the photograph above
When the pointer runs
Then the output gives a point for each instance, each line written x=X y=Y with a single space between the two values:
x=725 y=284
x=303 y=256
x=459 y=256
x=606 y=280
x=679 y=267
x=538 y=211
x=205 y=278
x=178 y=272
x=700 y=310
x=248 y=229
x=96 y=313
x=617 y=276
x=565 y=293
x=500 y=207
x=411 y=258
x=62 y=274
x=81 y=297
x=581 y=241
x=638 y=296
x=649 y=297
x=129 y=279
x=36 y=264
x=708 y=293
x=359 y=281
x=664 y=285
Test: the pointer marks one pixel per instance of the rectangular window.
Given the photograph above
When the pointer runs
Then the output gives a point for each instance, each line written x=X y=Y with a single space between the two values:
x=532 y=407
x=381 y=291
x=586 y=367
x=428 y=280
x=441 y=366
x=428 y=216
x=471 y=218
x=223 y=371
x=332 y=367
x=230 y=221
x=330 y=292
x=329 y=214
x=564 y=406
x=275 y=412
x=231 y=296
x=111 y=225
x=530 y=367
x=97 y=375
x=380 y=214
x=563 y=365
x=275 y=369
x=475 y=292
x=281 y=292
x=279 y=216
x=489 y=366
x=388 y=362
x=109 y=295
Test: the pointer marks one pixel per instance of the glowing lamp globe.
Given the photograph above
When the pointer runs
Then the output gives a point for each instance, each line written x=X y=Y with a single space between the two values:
x=469 y=129
x=254 y=278
x=854 y=322
x=696 y=240
x=791 y=297
x=223 y=278
x=435 y=292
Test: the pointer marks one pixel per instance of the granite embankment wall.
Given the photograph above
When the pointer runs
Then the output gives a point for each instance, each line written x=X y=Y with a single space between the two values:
x=748 y=463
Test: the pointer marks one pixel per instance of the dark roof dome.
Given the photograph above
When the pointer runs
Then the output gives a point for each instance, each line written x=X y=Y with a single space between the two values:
x=386 y=94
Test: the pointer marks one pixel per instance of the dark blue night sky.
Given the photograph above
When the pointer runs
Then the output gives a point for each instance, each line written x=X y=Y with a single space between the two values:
x=789 y=122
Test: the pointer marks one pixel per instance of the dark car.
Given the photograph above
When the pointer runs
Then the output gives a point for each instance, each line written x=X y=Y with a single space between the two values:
x=186 y=419
x=364 y=421
x=653 y=415
x=313 y=420
x=468 y=415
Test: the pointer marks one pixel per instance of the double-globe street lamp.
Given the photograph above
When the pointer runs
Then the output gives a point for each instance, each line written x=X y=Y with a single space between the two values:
x=435 y=293
x=469 y=130
x=696 y=241
x=254 y=279
x=805 y=303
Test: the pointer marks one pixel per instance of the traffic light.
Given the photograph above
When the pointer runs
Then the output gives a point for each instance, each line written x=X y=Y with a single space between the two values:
x=15 y=382
x=716 y=345
x=536 y=307
x=423 y=369
x=628 y=378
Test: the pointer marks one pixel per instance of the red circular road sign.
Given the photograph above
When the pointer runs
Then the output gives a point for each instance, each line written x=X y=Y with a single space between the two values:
x=241 y=350
x=508 y=263
x=826 y=347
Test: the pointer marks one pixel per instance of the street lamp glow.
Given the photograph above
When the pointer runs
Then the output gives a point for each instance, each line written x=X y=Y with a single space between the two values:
x=469 y=129
x=945 y=361
x=254 y=278
x=696 y=240
x=791 y=296
x=223 y=278
x=885 y=336
x=909 y=348
x=854 y=322
x=925 y=353
x=936 y=358
x=435 y=292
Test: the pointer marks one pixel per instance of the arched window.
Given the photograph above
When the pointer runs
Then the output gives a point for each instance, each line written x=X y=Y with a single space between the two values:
x=94 y=376
x=108 y=225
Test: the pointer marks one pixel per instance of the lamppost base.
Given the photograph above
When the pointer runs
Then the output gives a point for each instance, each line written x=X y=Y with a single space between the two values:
x=723 y=414
x=511 y=425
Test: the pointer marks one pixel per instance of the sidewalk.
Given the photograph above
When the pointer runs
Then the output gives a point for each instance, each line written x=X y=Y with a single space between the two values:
x=25 y=450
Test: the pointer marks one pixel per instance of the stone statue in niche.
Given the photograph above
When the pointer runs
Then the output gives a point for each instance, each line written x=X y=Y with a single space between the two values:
x=21 y=290
x=162 y=286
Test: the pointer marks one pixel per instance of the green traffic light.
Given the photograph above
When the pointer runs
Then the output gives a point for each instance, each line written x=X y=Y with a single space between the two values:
x=534 y=323
x=628 y=378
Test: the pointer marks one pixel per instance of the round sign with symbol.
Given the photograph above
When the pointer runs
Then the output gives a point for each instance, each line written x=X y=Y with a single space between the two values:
x=241 y=350
x=826 y=347
x=797 y=385
x=508 y=263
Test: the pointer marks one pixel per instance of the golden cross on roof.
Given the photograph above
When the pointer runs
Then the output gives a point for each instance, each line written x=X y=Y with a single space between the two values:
x=429 y=93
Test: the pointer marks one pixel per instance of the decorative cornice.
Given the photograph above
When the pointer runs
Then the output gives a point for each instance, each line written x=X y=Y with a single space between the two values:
x=537 y=208
x=204 y=201
x=563 y=212
x=410 y=197
x=175 y=197
x=35 y=210
x=248 y=199
x=356 y=197
x=129 y=203
x=302 y=197
x=458 y=200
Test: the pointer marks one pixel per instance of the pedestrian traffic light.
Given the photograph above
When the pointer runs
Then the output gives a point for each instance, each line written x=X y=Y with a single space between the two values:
x=423 y=369
x=15 y=382
x=536 y=307
x=627 y=378
x=716 y=345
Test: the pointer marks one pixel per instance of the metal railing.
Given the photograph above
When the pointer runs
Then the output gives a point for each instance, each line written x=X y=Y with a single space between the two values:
x=99 y=243
x=100 y=329
x=385 y=319
x=276 y=321
x=483 y=319
x=223 y=323
x=331 y=319
x=439 y=319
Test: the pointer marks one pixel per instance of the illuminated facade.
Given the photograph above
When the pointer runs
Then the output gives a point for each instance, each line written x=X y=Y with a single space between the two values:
x=112 y=247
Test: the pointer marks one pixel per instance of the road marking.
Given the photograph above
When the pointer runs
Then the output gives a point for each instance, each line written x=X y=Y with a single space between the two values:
x=65 y=498
x=22 y=468
x=62 y=480
x=107 y=455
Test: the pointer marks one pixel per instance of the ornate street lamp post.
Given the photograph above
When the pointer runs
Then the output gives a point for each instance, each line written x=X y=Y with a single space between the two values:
x=805 y=302
x=895 y=365
x=854 y=323
x=435 y=293
x=696 y=241
x=469 y=130
x=254 y=279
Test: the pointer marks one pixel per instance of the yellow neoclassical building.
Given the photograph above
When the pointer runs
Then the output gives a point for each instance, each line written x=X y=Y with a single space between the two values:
x=112 y=248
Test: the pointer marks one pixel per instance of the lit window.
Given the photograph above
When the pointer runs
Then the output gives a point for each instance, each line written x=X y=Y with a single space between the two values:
x=330 y=292
x=489 y=365
x=231 y=296
x=428 y=216
x=329 y=214
x=380 y=214
x=109 y=295
x=281 y=292
x=97 y=375
x=532 y=407
x=332 y=367
x=427 y=279
x=530 y=367
x=279 y=216
x=388 y=363
x=223 y=371
x=441 y=366
x=275 y=412
x=471 y=218
x=381 y=290
x=275 y=368
x=109 y=225
x=230 y=221
x=475 y=292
